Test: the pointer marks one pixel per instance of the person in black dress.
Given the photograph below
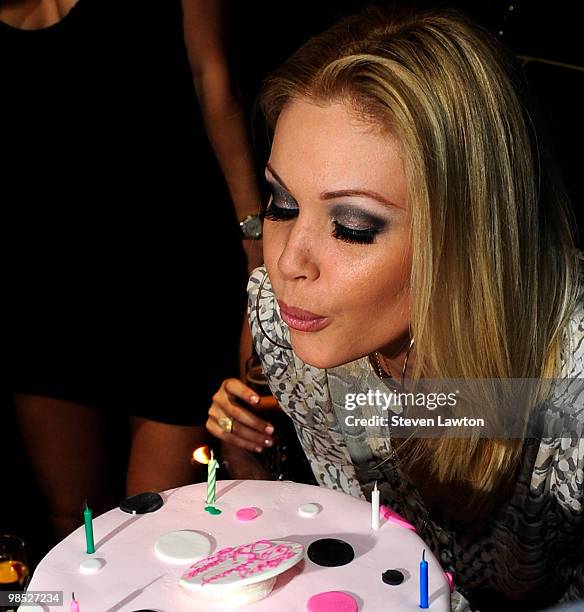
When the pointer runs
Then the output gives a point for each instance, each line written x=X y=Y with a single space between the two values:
x=114 y=116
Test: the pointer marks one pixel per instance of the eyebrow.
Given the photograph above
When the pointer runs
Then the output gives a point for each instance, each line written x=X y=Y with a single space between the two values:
x=341 y=193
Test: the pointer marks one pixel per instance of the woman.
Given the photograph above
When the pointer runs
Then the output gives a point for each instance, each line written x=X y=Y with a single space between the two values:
x=416 y=231
x=118 y=121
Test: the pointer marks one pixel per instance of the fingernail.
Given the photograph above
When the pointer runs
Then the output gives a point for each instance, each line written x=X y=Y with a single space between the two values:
x=254 y=399
x=259 y=449
x=268 y=442
x=269 y=429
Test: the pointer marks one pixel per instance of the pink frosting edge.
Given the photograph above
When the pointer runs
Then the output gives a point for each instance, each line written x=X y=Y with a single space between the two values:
x=393 y=517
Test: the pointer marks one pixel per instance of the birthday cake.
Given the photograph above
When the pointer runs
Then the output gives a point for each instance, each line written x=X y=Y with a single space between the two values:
x=267 y=546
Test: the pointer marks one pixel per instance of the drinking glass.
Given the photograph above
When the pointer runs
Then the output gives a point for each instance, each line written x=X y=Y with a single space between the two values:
x=286 y=459
x=14 y=572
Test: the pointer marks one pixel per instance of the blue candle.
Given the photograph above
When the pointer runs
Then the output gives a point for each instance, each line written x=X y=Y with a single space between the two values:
x=423 y=581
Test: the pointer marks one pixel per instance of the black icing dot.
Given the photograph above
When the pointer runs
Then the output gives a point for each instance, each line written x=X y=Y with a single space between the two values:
x=393 y=577
x=141 y=503
x=330 y=552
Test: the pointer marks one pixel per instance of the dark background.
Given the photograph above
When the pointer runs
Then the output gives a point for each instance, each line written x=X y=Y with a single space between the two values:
x=263 y=34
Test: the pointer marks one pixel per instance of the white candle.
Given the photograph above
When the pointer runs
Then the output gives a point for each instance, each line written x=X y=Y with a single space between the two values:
x=375 y=507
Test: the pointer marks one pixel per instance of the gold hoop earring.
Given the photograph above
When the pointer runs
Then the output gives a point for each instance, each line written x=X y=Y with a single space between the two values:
x=257 y=311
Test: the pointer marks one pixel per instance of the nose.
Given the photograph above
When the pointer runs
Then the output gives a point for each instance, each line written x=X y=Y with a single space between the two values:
x=299 y=259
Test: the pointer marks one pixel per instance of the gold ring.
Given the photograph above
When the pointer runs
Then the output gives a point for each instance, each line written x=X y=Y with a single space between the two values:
x=226 y=424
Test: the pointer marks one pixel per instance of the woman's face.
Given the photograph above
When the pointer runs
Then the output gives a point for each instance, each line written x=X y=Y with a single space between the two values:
x=336 y=234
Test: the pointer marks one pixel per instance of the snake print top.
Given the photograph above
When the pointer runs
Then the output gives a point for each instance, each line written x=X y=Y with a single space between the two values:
x=529 y=552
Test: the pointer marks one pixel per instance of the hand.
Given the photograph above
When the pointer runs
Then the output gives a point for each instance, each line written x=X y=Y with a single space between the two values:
x=247 y=430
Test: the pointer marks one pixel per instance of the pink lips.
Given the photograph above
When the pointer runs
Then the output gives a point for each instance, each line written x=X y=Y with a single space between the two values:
x=302 y=320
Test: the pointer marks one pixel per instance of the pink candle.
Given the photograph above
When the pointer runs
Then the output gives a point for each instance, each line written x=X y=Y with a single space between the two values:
x=74 y=607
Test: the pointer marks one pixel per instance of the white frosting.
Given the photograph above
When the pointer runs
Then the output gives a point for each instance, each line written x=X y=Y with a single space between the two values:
x=308 y=510
x=182 y=547
x=91 y=566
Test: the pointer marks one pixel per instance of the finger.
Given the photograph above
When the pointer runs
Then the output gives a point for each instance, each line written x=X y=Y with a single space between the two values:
x=233 y=409
x=261 y=438
x=247 y=418
x=215 y=430
x=236 y=388
x=227 y=398
x=216 y=412
x=239 y=430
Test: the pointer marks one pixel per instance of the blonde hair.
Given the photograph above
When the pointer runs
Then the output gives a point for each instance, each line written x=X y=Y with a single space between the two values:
x=495 y=271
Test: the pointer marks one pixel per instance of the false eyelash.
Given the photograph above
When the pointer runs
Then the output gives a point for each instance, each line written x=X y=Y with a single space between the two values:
x=277 y=213
x=353 y=236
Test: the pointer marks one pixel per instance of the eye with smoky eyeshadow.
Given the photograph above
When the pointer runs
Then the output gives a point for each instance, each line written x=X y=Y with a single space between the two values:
x=282 y=206
x=356 y=218
x=354 y=225
x=350 y=223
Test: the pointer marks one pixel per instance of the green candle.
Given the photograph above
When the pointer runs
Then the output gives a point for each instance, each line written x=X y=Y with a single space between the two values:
x=87 y=516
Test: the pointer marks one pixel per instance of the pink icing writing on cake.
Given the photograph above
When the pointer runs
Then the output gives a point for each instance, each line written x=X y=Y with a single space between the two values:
x=246 y=559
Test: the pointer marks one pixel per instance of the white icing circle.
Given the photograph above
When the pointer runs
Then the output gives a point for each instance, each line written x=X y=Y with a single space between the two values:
x=181 y=547
x=308 y=510
x=233 y=568
x=91 y=566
